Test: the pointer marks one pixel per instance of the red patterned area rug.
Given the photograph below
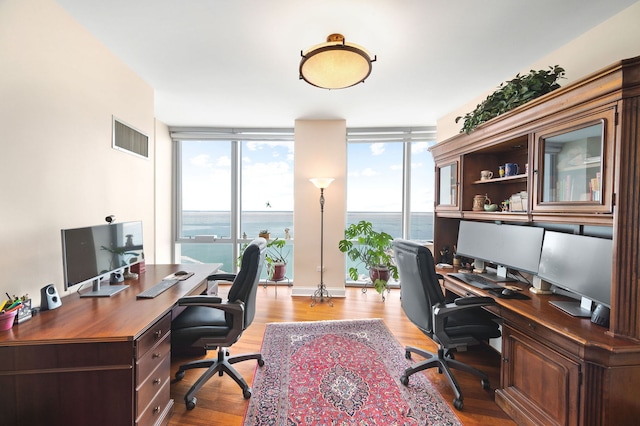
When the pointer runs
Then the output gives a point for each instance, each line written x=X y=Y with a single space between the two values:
x=339 y=373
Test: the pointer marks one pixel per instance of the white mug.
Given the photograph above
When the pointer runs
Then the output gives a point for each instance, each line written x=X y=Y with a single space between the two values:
x=486 y=175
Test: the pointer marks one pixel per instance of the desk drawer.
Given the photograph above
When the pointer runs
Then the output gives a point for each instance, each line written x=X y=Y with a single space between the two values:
x=152 y=359
x=153 y=384
x=158 y=411
x=152 y=336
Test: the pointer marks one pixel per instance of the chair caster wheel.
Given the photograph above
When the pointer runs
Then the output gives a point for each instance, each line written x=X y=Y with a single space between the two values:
x=191 y=403
x=261 y=362
x=485 y=384
x=407 y=355
x=404 y=380
x=246 y=393
x=179 y=375
x=458 y=404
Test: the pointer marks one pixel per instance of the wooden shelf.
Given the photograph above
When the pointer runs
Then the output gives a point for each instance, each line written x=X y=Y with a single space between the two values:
x=506 y=216
x=510 y=179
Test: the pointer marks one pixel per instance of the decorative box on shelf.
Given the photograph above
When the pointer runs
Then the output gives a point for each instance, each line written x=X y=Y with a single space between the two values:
x=138 y=267
x=24 y=312
x=519 y=202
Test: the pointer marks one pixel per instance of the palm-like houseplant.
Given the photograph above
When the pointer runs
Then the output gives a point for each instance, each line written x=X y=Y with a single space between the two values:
x=364 y=245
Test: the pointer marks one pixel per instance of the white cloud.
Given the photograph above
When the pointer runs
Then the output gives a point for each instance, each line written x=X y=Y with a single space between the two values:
x=368 y=172
x=201 y=160
x=377 y=148
x=223 y=161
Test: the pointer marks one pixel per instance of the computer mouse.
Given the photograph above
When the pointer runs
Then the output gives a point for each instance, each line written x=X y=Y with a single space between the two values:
x=180 y=273
x=508 y=292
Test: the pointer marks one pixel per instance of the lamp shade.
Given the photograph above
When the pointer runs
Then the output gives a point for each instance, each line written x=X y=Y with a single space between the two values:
x=322 y=183
x=335 y=64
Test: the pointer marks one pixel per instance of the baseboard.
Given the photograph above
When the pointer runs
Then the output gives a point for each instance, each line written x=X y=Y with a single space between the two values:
x=308 y=291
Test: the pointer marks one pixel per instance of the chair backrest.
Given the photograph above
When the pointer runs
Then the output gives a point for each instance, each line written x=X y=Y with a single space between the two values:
x=245 y=285
x=419 y=286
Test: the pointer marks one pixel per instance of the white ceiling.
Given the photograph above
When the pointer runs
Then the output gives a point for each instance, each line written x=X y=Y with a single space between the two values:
x=235 y=62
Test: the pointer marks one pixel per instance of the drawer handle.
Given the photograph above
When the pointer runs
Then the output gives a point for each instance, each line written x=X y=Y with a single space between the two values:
x=157 y=381
x=156 y=355
x=532 y=326
x=505 y=360
x=156 y=409
x=158 y=334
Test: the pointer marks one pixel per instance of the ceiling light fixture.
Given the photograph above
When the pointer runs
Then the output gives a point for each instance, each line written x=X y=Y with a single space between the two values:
x=335 y=64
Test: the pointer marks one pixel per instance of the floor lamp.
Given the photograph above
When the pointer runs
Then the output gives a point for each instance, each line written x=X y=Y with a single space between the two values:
x=321 y=293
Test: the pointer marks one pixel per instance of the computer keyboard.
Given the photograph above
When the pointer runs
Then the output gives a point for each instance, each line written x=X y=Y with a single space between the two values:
x=157 y=289
x=476 y=281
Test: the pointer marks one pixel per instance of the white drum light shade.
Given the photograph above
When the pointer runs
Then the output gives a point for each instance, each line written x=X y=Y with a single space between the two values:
x=335 y=64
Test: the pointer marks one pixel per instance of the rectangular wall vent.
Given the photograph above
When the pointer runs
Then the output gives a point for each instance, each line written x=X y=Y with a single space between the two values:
x=128 y=139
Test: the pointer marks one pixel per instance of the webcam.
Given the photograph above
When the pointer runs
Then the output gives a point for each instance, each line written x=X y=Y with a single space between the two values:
x=110 y=218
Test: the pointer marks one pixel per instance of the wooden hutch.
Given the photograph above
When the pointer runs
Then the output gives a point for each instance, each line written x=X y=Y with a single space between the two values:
x=578 y=150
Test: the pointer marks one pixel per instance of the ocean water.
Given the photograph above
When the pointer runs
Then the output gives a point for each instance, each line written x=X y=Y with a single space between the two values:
x=200 y=223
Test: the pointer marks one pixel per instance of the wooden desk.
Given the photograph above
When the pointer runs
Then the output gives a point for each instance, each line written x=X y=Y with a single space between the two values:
x=96 y=361
x=558 y=369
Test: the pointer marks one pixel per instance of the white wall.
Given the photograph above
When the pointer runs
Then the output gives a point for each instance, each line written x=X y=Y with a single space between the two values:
x=320 y=151
x=163 y=238
x=59 y=88
x=615 y=39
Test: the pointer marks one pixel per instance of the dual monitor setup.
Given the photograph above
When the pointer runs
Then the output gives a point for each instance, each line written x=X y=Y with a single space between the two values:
x=95 y=253
x=577 y=266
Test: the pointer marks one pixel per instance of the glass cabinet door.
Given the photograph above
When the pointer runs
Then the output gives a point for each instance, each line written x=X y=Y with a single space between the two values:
x=447 y=185
x=571 y=167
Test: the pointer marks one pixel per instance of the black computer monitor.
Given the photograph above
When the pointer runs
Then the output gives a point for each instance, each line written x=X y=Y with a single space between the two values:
x=506 y=246
x=581 y=265
x=92 y=253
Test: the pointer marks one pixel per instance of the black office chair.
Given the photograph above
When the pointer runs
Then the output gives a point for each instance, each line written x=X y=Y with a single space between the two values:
x=452 y=324
x=211 y=323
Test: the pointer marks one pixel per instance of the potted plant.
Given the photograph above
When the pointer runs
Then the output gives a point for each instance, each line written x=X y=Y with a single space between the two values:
x=264 y=233
x=276 y=259
x=366 y=246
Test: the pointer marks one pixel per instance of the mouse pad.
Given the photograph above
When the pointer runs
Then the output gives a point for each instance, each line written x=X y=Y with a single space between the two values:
x=498 y=293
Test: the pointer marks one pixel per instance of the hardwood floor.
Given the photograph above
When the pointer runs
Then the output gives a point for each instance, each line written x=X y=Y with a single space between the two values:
x=220 y=401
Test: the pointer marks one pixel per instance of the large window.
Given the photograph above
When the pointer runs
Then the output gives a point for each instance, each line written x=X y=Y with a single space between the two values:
x=231 y=184
x=228 y=191
x=390 y=184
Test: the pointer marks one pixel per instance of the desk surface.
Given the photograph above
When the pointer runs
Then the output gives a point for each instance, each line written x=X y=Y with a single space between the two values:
x=593 y=339
x=120 y=317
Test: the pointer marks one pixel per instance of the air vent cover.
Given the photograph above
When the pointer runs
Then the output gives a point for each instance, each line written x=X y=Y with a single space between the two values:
x=128 y=139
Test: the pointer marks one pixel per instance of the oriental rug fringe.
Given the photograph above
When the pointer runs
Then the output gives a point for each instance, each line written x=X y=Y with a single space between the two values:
x=339 y=373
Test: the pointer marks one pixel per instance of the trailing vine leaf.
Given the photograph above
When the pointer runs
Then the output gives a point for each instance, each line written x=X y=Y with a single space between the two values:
x=512 y=94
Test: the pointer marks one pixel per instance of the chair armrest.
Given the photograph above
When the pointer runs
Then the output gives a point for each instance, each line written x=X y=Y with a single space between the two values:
x=213 y=302
x=444 y=310
x=441 y=312
x=221 y=277
x=475 y=300
x=200 y=300
x=235 y=309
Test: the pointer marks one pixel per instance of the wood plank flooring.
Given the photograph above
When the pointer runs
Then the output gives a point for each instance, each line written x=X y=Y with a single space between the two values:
x=220 y=401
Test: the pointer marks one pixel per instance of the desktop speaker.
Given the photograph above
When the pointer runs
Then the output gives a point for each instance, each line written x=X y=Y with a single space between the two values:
x=116 y=277
x=49 y=298
x=600 y=315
